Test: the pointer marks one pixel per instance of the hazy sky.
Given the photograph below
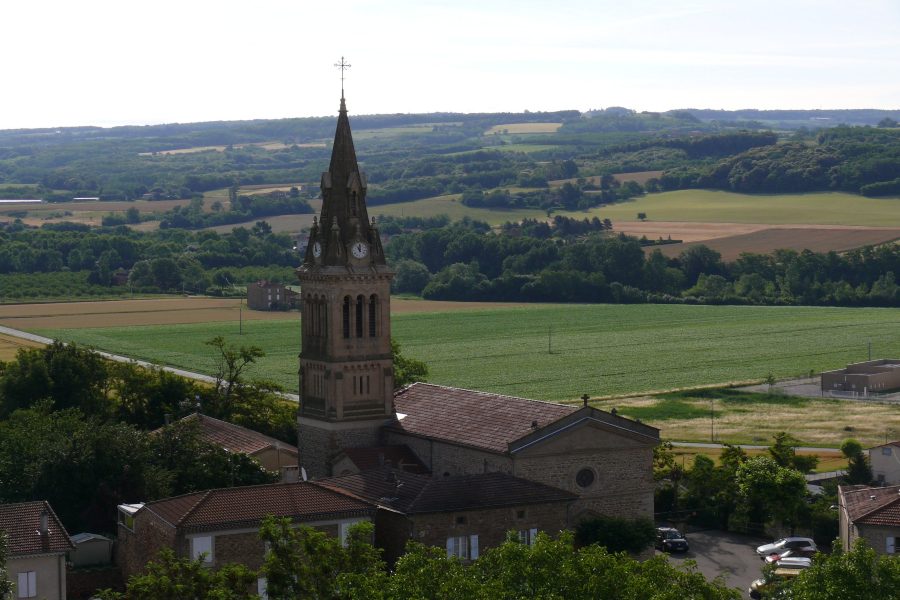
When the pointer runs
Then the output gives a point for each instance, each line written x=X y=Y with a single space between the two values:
x=109 y=63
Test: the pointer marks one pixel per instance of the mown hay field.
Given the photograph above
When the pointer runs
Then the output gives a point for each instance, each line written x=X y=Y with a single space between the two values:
x=596 y=349
x=515 y=128
x=171 y=311
x=766 y=241
x=712 y=206
x=815 y=422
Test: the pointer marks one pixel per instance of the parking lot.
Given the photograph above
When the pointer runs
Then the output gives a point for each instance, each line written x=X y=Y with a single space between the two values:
x=720 y=552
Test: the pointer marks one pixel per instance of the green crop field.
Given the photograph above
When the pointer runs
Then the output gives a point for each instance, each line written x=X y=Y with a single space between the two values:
x=597 y=349
x=708 y=206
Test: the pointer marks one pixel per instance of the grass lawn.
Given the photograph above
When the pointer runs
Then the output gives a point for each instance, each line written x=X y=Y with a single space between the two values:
x=828 y=208
x=597 y=349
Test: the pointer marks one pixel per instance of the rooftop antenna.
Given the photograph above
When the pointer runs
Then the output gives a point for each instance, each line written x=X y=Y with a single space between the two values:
x=343 y=66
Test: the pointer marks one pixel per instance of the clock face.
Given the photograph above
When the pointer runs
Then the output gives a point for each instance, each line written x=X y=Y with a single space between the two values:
x=359 y=250
x=317 y=249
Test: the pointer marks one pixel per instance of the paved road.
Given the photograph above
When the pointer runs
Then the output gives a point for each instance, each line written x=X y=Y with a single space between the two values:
x=723 y=553
x=188 y=374
x=746 y=446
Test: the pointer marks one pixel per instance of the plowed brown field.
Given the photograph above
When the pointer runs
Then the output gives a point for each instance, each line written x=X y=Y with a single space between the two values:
x=124 y=313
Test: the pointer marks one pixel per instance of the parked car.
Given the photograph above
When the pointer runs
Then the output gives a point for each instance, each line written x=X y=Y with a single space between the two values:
x=790 y=543
x=794 y=563
x=669 y=539
x=766 y=583
x=806 y=552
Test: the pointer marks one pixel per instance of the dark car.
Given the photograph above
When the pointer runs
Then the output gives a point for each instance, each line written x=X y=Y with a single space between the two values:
x=669 y=539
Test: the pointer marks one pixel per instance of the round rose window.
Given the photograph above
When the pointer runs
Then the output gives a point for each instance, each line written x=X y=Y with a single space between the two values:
x=584 y=478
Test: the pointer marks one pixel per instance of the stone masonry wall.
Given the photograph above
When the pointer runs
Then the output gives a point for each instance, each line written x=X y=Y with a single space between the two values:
x=876 y=537
x=623 y=478
x=490 y=525
x=135 y=549
x=453 y=459
x=318 y=445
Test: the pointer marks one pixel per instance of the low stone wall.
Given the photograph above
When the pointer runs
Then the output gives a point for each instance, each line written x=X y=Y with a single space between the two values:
x=84 y=583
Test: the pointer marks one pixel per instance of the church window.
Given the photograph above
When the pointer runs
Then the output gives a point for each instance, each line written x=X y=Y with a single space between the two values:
x=354 y=385
x=353 y=201
x=368 y=388
x=346 y=317
x=584 y=478
x=359 y=316
x=372 y=302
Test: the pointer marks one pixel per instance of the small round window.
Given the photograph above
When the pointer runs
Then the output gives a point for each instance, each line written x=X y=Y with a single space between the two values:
x=584 y=478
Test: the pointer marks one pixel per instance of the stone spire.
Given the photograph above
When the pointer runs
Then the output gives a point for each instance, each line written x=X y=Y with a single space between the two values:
x=344 y=219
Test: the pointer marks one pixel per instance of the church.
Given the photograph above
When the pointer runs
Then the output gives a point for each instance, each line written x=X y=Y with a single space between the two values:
x=350 y=418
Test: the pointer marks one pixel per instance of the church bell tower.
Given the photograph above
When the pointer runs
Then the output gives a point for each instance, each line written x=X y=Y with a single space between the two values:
x=346 y=372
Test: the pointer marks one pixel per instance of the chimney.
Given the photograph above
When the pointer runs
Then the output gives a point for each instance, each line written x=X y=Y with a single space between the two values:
x=45 y=524
x=168 y=419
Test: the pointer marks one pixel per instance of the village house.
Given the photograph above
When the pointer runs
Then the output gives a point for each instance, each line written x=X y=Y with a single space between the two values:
x=38 y=544
x=274 y=455
x=465 y=514
x=870 y=513
x=885 y=461
x=270 y=295
x=222 y=525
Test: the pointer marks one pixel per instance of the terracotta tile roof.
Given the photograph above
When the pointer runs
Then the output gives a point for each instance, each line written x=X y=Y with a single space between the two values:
x=871 y=505
x=22 y=521
x=301 y=501
x=367 y=459
x=234 y=437
x=421 y=494
x=472 y=418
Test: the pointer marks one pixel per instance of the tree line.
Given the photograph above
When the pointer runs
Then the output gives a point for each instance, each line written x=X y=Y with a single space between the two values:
x=533 y=262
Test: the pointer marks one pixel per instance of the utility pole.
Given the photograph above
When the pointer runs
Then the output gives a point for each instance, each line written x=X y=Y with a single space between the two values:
x=550 y=339
x=241 y=318
x=870 y=351
x=712 y=422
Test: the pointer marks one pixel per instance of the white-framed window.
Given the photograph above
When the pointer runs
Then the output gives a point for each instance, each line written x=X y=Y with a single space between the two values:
x=27 y=584
x=527 y=536
x=261 y=584
x=891 y=545
x=344 y=531
x=463 y=546
x=202 y=545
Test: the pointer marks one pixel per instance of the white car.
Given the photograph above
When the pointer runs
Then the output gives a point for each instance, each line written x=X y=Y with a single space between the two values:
x=795 y=553
x=794 y=563
x=779 y=546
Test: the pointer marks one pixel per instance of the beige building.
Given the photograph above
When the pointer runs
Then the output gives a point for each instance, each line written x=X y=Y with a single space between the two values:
x=270 y=295
x=38 y=545
x=871 y=513
x=863 y=378
x=272 y=454
x=885 y=461
x=349 y=411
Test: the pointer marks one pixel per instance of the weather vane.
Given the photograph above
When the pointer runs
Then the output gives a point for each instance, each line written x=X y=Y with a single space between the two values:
x=343 y=66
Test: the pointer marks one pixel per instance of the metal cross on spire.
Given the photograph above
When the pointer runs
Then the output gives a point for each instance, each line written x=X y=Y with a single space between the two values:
x=343 y=66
